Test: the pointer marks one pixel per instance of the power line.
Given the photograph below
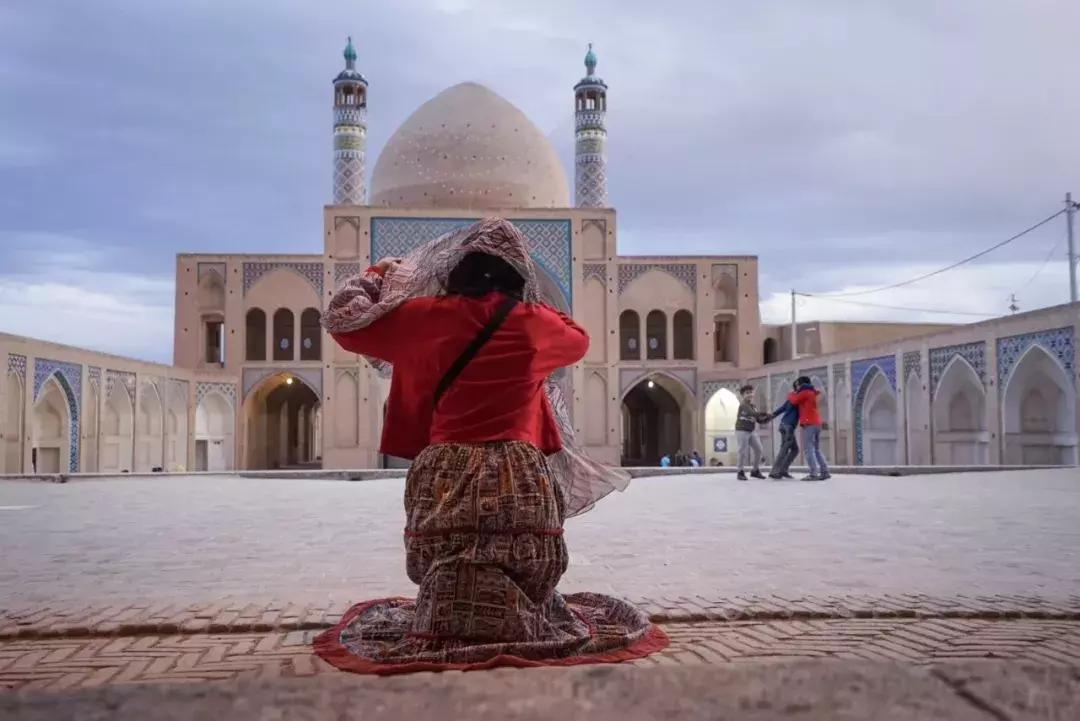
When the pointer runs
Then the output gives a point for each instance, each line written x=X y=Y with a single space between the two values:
x=898 y=307
x=1044 y=263
x=957 y=264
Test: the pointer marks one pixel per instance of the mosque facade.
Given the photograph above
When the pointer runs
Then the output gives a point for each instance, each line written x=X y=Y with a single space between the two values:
x=256 y=384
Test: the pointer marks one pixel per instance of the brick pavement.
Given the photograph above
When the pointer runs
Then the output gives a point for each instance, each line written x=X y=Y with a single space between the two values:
x=63 y=663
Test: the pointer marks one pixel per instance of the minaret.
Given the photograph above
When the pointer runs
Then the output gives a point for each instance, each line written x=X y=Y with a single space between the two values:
x=350 y=132
x=590 y=151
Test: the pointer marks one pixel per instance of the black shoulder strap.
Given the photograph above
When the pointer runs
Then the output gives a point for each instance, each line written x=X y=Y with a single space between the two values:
x=474 y=347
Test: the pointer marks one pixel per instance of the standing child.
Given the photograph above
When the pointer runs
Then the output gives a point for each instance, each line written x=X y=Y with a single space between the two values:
x=805 y=398
x=789 y=446
x=746 y=434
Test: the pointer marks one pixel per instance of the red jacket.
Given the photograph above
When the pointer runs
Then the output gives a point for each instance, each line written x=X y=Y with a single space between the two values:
x=805 y=399
x=498 y=396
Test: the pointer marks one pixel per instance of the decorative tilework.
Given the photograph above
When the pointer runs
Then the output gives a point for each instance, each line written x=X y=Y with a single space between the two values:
x=17 y=364
x=178 y=392
x=344 y=271
x=781 y=386
x=93 y=375
x=549 y=240
x=710 y=388
x=69 y=376
x=912 y=363
x=594 y=270
x=839 y=373
x=1058 y=342
x=973 y=353
x=203 y=388
x=311 y=272
x=859 y=369
x=124 y=378
x=686 y=272
x=862 y=373
x=821 y=373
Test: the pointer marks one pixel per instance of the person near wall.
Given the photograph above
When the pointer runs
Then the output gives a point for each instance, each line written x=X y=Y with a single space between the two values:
x=789 y=446
x=751 y=453
x=805 y=398
x=495 y=470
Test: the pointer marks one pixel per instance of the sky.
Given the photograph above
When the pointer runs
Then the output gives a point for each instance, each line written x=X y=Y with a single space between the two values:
x=848 y=144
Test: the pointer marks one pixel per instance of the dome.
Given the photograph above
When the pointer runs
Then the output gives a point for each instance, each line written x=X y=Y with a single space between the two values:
x=469 y=148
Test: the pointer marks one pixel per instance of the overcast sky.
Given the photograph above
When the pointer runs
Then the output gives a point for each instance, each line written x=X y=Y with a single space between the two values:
x=848 y=144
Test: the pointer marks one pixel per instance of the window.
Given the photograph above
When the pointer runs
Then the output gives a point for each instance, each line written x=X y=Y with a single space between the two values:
x=656 y=335
x=255 y=335
x=215 y=341
x=770 y=352
x=310 y=335
x=283 y=335
x=684 y=335
x=629 y=336
x=725 y=340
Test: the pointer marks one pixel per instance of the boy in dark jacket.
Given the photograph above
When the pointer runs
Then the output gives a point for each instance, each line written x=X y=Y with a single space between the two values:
x=745 y=433
x=789 y=446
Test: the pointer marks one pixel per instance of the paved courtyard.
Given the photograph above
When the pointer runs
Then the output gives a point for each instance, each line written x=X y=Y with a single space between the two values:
x=194 y=539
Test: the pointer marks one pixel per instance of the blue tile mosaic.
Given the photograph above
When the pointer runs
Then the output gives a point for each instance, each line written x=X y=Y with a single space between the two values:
x=973 y=353
x=69 y=376
x=549 y=241
x=1058 y=342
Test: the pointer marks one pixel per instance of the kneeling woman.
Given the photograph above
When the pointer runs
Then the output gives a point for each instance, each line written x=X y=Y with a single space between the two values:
x=471 y=352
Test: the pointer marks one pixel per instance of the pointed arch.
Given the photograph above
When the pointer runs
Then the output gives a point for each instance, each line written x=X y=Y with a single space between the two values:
x=52 y=427
x=958 y=416
x=683 y=335
x=659 y=415
x=629 y=335
x=721 y=410
x=150 y=429
x=656 y=340
x=917 y=421
x=284 y=335
x=176 y=428
x=255 y=335
x=117 y=440
x=1039 y=411
x=596 y=420
x=310 y=335
x=215 y=421
x=875 y=420
x=14 y=430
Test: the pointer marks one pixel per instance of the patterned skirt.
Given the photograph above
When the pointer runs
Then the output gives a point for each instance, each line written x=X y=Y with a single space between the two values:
x=484 y=543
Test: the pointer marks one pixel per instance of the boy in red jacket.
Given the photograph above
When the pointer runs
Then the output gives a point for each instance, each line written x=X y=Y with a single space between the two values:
x=804 y=397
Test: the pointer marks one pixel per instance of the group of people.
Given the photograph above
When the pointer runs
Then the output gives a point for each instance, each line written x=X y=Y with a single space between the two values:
x=799 y=410
x=694 y=460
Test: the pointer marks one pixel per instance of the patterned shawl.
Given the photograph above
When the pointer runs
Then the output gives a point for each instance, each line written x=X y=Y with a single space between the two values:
x=367 y=297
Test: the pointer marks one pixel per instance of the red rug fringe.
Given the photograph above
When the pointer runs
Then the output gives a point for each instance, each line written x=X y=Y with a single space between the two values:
x=328 y=647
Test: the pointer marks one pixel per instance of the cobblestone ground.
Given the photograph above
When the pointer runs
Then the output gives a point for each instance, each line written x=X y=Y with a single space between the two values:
x=200 y=539
x=202 y=579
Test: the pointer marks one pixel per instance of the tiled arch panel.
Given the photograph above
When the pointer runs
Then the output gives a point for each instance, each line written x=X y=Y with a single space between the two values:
x=1058 y=342
x=69 y=376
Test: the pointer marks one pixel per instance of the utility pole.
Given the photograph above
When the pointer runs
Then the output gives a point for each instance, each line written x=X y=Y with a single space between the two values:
x=795 y=327
x=1070 y=210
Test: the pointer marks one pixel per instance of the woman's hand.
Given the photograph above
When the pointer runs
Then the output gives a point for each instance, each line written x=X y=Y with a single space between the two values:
x=386 y=264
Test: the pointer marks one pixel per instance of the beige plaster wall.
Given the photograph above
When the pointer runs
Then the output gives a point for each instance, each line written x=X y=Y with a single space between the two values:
x=147 y=438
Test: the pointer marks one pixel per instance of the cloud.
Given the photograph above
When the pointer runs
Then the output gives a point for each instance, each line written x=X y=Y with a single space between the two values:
x=838 y=141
